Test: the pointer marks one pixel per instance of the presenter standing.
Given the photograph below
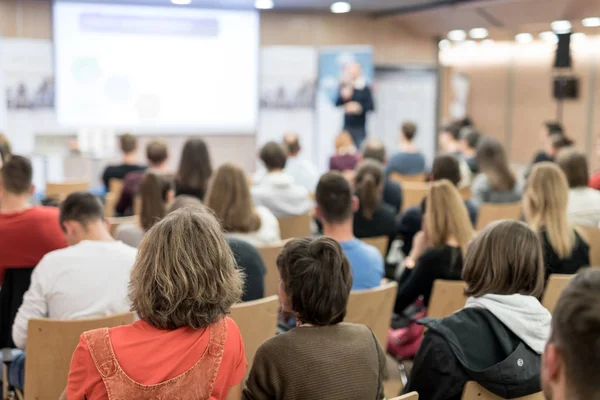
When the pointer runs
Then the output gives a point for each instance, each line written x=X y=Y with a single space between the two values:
x=357 y=100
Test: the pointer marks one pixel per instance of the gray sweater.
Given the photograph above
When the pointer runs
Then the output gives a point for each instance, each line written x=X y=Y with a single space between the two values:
x=482 y=192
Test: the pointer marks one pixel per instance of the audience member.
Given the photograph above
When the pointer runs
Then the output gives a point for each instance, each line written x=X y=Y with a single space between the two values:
x=439 y=248
x=194 y=169
x=183 y=283
x=335 y=208
x=469 y=140
x=445 y=166
x=26 y=233
x=409 y=160
x=346 y=157
x=584 y=202
x=373 y=217
x=277 y=190
x=373 y=149
x=571 y=360
x=247 y=257
x=155 y=194
x=229 y=197
x=545 y=208
x=498 y=337
x=595 y=178
x=302 y=170
x=448 y=140
x=86 y=280
x=496 y=183
x=128 y=164
x=157 y=154
x=5 y=149
x=550 y=129
x=337 y=360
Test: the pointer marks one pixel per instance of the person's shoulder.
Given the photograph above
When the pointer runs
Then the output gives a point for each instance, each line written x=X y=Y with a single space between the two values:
x=56 y=258
x=45 y=212
x=370 y=251
x=242 y=249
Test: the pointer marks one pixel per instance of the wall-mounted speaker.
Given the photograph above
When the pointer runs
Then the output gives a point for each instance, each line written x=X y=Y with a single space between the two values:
x=563 y=51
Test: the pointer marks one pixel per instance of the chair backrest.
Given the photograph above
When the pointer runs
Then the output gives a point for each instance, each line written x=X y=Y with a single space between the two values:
x=592 y=237
x=447 y=297
x=296 y=226
x=116 y=221
x=50 y=346
x=408 y=396
x=257 y=321
x=269 y=256
x=554 y=287
x=379 y=242
x=490 y=212
x=373 y=308
x=60 y=191
x=474 y=391
x=402 y=179
x=413 y=193
x=110 y=202
x=115 y=186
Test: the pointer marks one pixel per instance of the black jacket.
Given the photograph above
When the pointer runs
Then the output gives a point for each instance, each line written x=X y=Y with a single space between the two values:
x=365 y=98
x=473 y=345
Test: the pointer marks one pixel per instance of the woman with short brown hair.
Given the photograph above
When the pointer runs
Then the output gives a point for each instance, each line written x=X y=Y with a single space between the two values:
x=497 y=339
x=182 y=285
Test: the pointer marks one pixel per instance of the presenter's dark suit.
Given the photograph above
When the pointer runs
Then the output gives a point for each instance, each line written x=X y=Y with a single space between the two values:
x=355 y=123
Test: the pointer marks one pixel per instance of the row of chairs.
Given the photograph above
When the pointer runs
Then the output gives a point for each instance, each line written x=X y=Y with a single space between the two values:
x=474 y=391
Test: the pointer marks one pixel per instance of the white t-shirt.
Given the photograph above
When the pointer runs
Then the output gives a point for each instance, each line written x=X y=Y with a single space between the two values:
x=584 y=206
x=87 y=280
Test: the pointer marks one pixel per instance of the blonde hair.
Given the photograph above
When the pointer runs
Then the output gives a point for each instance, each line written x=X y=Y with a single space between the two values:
x=185 y=273
x=344 y=141
x=229 y=197
x=545 y=206
x=447 y=215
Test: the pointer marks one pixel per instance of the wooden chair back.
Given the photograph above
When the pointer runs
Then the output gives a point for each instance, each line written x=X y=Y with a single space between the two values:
x=373 y=308
x=114 y=222
x=490 y=212
x=554 y=287
x=591 y=235
x=408 y=396
x=50 y=346
x=269 y=256
x=379 y=242
x=296 y=226
x=447 y=297
x=465 y=192
x=110 y=202
x=60 y=191
x=413 y=194
x=257 y=321
x=474 y=391
x=402 y=179
x=115 y=186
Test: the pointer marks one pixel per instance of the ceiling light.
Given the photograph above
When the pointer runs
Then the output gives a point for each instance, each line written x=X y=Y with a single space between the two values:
x=578 y=37
x=524 y=38
x=340 y=7
x=549 y=37
x=457 y=35
x=591 y=22
x=470 y=43
x=563 y=26
x=181 y=2
x=487 y=42
x=444 y=44
x=264 y=4
x=478 y=33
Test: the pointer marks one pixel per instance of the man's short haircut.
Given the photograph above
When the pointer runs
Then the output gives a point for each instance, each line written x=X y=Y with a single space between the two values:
x=17 y=175
x=334 y=197
x=446 y=166
x=291 y=141
x=471 y=137
x=554 y=127
x=82 y=207
x=453 y=130
x=373 y=149
x=575 y=166
x=157 y=152
x=128 y=143
x=576 y=333
x=409 y=130
x=317 y=279
x=273 y=156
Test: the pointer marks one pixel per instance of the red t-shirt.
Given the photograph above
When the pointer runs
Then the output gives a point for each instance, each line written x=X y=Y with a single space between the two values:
x=595 y=181
x=150 y=356
x=26 y=237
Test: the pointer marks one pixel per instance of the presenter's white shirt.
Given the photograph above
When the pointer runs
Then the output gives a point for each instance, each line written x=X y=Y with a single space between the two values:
x=87 y=280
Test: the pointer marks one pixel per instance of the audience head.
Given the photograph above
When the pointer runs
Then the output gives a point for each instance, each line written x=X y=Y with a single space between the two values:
x=82 y=218
x=229 y=197
x=315 y=280
x=445 y=215
x=344 y=143
x=409 y=130
x=373 y=149
x=354 y=70
x=369 y=182
x=492 y=161
x=545 y=206
x=194 y=168
x=156 y=191
x=555 y=142
x=16 y=177
x=335 y=202
x=469 y=140
x=448 y=137
x=291 y=141
x=184 y=201
x=185 y=274
x=128 y=143
x=571 y=360
x=575 y=166
x=273 y=156
x=157 y=153
x=505 y=258
x=445 y=166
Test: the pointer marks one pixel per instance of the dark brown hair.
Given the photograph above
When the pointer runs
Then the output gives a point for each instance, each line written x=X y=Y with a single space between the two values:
x=153 y=193
x=334 y=197
x=409 y=130
x=273 y=156
x=194 y=168
x=17 y=174
x=445 y=166
x=82 y=207
x=575 y=166
x=373 y=149
x=157 y=152
x=317 y=279
x=492 y=161
x=471 y=137
x=453 y=129
x=505 y=258
x=560 y=141
x=291 y=143
x=576 y=333
x=128 y=143
x=369 y=184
